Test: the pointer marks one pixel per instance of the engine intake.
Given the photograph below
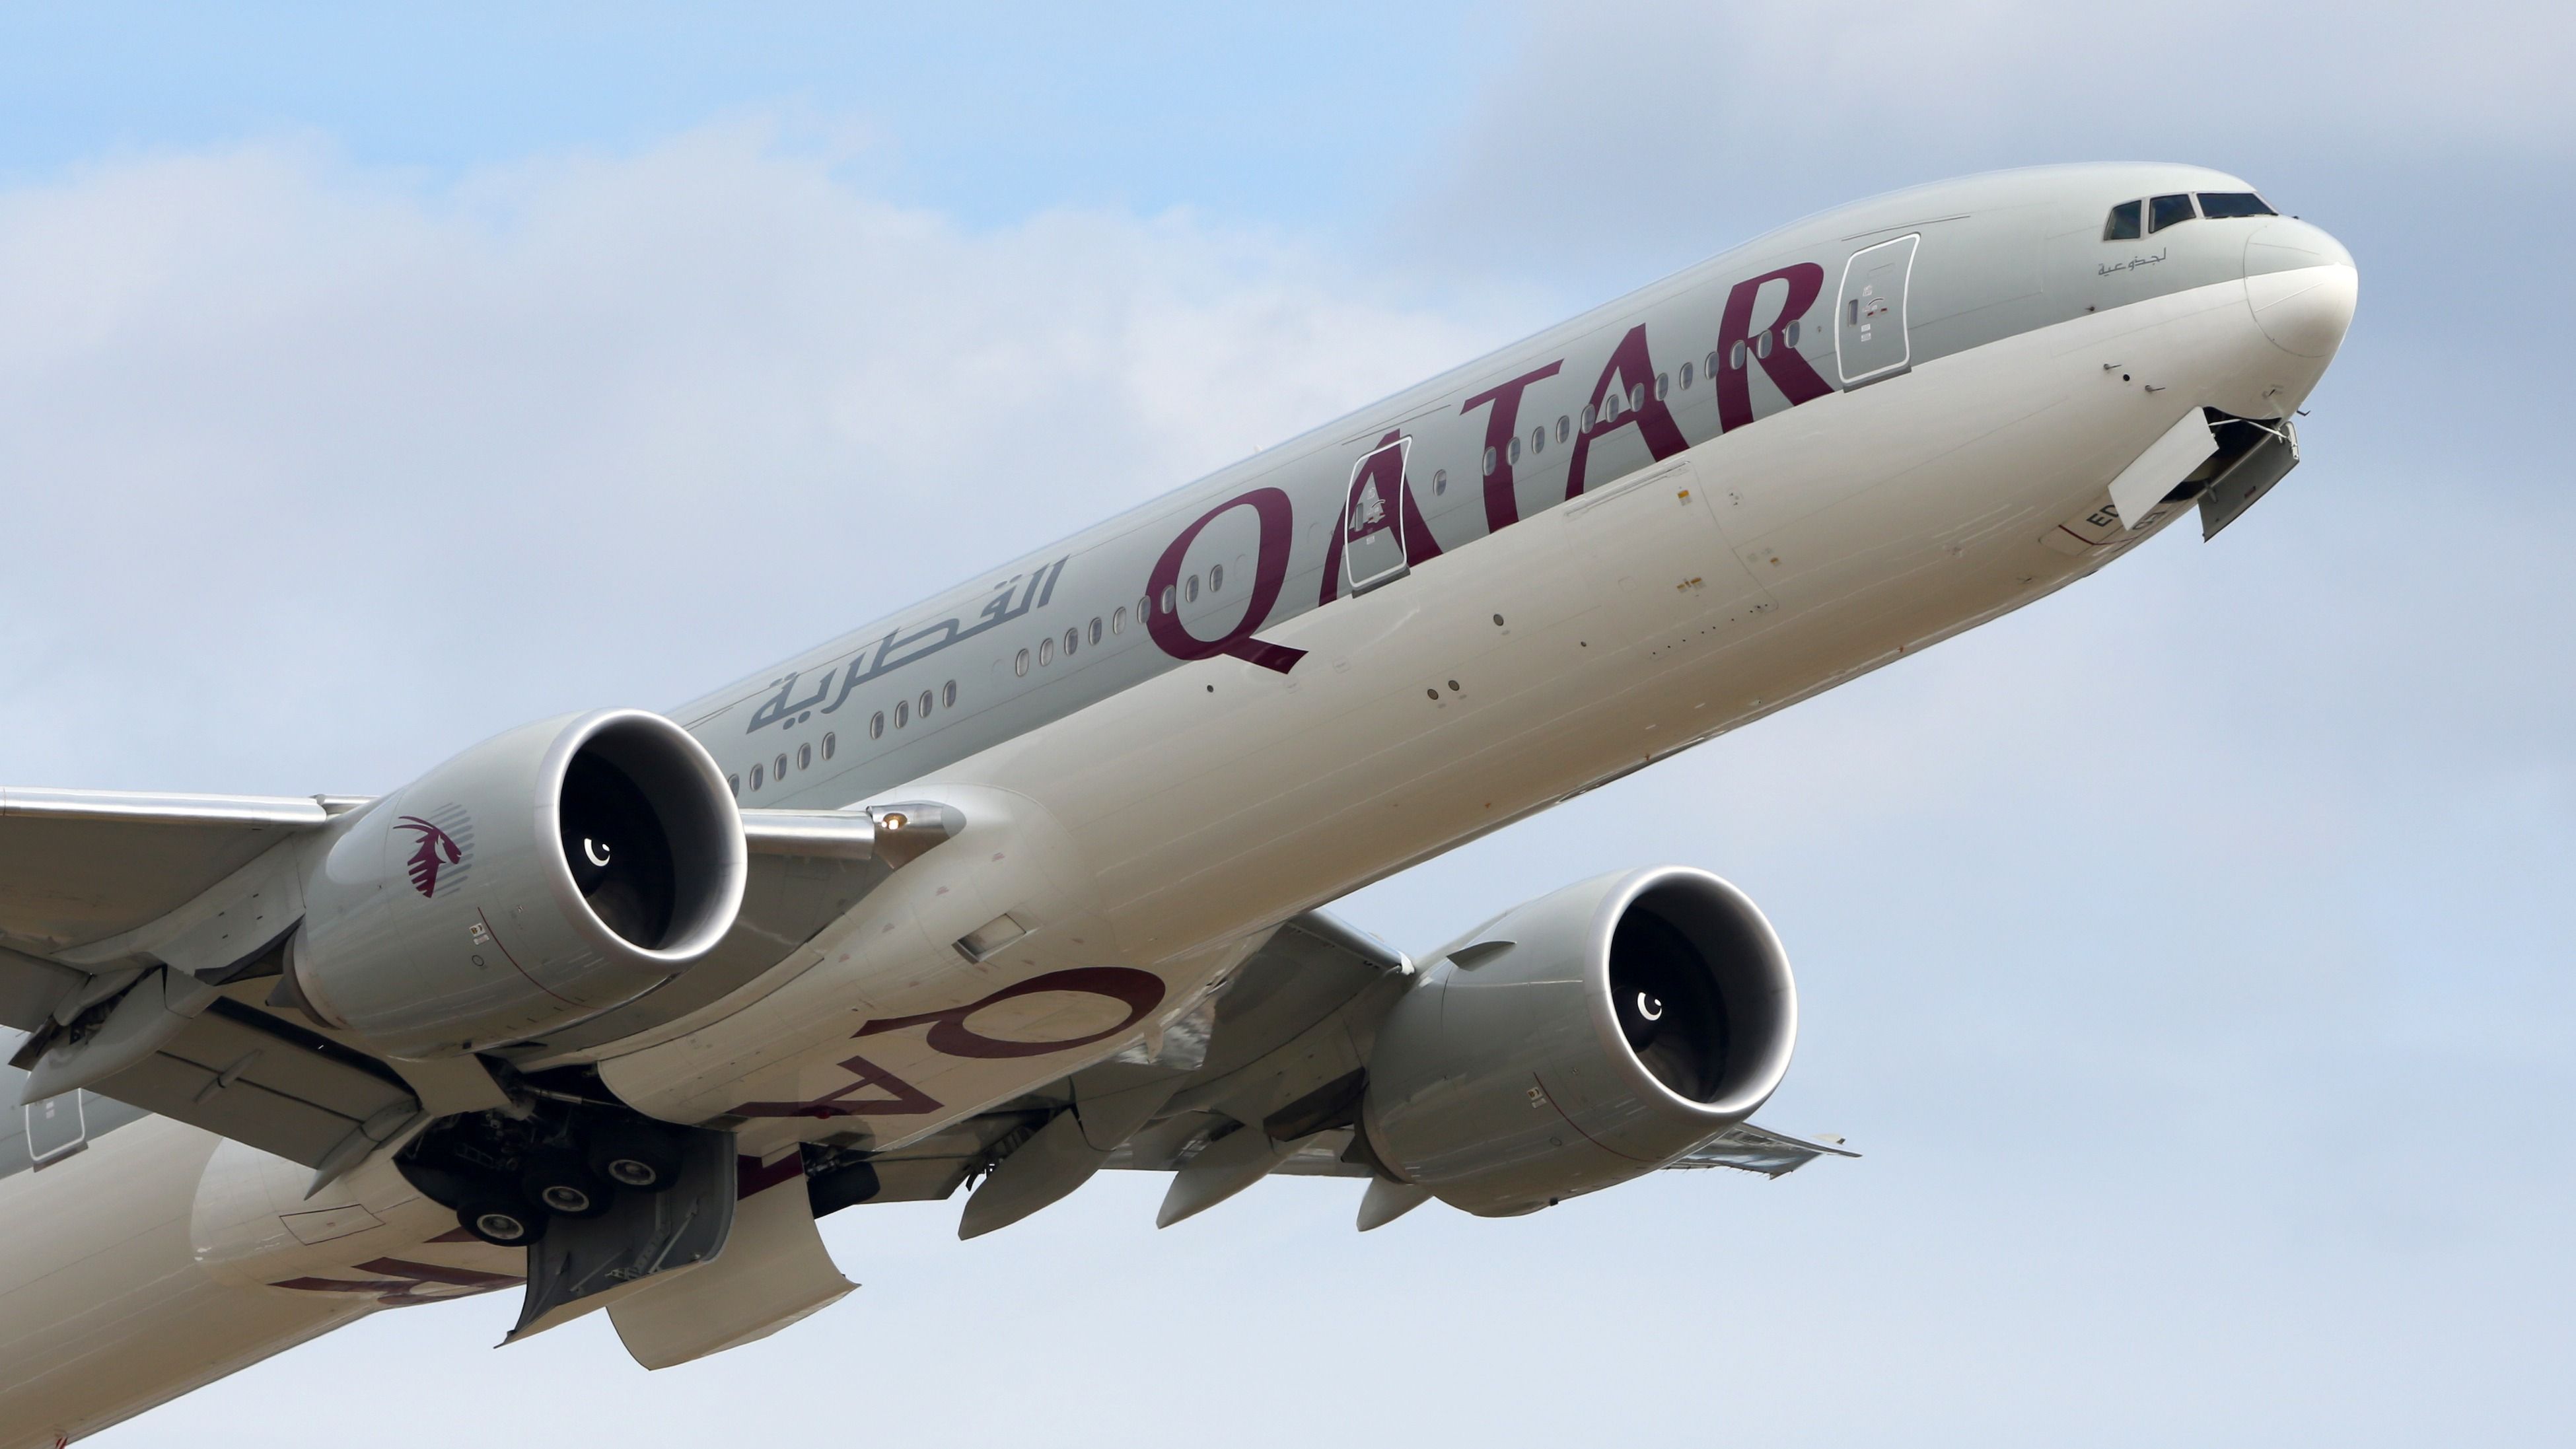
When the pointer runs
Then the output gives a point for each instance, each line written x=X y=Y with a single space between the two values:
x=544 y=876
x=1581 y=1040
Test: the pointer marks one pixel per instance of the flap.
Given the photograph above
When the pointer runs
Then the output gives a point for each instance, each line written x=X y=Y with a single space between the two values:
x=1748 y=1148
x=246 y=1075
x=774 y=1270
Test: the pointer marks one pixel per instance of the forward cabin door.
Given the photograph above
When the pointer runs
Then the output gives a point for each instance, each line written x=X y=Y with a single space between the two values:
x=1869 y=321
x=1373 y=518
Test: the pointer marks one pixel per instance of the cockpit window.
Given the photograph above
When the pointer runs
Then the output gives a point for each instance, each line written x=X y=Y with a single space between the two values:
x=2165 y=211
x=2123 y=225
x=2216 y=204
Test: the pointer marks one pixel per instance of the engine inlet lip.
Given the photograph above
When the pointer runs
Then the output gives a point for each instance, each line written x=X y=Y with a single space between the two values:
x=1748 y=1087
x=714 y=917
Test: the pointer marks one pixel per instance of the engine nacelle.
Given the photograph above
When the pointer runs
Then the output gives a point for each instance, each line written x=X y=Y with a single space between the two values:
x=544 y=876
x=1581 y=1040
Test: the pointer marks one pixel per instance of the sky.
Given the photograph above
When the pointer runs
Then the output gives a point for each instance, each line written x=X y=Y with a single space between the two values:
x=2187 y=954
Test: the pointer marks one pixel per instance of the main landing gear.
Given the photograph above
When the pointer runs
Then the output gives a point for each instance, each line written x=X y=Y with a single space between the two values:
x=509 y=1174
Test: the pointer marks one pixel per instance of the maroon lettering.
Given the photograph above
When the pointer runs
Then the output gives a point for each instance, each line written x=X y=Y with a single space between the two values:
x=404 y=1282
x=901 y=1099
x=1502 y=505
x=1786 y=367
x=1633 y=369
x=1269 y=574
x=749 y=1176
x=1382 y=469
x=1138 y=991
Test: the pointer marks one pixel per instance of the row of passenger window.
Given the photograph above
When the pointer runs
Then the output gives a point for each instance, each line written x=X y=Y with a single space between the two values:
x=905 y=711
x=1616 y=406
x=1174 y=595
x=2155 y=213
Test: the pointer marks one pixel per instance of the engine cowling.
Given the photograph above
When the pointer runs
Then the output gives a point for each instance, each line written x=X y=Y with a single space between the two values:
x=1581 y=1040
x=544 y=876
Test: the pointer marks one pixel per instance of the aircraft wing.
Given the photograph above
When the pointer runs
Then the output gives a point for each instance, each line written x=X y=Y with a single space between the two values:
x=1273 y=1057
x=80 y=866
x=159 y=919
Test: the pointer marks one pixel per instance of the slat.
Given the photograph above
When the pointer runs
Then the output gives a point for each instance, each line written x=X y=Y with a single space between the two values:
x=303 y=811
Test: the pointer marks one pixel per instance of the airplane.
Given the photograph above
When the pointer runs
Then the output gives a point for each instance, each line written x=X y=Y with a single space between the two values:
x=1028 y=880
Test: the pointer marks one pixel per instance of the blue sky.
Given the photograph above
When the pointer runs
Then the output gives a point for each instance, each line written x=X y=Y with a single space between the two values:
x=2188 y=953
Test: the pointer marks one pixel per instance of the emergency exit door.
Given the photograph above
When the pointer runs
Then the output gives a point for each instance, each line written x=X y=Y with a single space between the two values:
x=1869 y=322
x=1373 y=522
x=56 y=1128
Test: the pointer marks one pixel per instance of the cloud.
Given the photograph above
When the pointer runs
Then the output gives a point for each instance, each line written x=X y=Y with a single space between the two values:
x=2182 y=950
x=1637 y=135
x=364 y=469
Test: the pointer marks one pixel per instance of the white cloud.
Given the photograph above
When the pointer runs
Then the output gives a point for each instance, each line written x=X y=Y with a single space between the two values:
x=2225 y=1088
x=361 y=470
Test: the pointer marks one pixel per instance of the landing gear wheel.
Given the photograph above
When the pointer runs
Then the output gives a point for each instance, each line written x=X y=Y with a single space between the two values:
x=503 y=1219
x=635 y=1156
x=563 y=1185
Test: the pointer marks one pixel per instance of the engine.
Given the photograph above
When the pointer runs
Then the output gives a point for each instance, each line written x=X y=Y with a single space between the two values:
x=1581 y=1040
x=545 y=875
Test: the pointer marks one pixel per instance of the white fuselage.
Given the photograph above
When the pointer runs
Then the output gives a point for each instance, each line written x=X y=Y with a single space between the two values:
x=1170 y=824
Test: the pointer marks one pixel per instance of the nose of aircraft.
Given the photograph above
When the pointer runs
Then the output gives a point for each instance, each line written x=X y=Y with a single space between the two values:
x=2301 y=284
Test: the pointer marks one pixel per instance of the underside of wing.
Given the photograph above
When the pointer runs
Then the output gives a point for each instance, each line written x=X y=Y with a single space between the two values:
x=79 y=866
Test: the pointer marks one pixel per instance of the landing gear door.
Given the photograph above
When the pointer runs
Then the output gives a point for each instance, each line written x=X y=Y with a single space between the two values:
x=1373 y=518
x=1869 y=320
x=774 y=1271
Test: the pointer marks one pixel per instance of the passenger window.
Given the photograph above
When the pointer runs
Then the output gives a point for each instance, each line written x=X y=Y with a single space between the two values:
x=781 y=770
x=1020 y=666
x=1735 y=357
x=1216 y=577
x=1564 y=427
x=925 y=704
x=1168 y=596
x=2123 y=222
x=756 y=777
x=1538 y=440
x=1095 y=628
x=902 y=713
x=1440 y=481
x=831 y=743
x=804 y=757
x=1663 y=384
x=2165 y=211
x=1489 y=462
x=947 y=696
x=1686 y=377
x=1118 y=621
x=1143 y=608
x=1072 y=641
x=1190 y=588
x=1762 y=345
x=2219 y=204
x=876 y=722
x=1711 y=361
x=1046 y=656
x=734 y=783
x=1512 y=450
x=1589 y=415
x=1792 y=336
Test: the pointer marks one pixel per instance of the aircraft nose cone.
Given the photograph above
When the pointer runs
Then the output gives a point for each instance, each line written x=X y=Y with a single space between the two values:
x=2301 y=285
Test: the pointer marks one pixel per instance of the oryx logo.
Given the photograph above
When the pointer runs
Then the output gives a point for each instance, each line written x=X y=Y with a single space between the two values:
x=445 y=838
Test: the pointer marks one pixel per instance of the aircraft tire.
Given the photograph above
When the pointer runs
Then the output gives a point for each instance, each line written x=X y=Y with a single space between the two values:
x=501 y=1218
x=633 y=1155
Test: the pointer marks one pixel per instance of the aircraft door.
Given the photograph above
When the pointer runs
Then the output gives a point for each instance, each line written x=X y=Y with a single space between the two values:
x=56 y=1128
x=1869 y=320
x=1373 y=518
